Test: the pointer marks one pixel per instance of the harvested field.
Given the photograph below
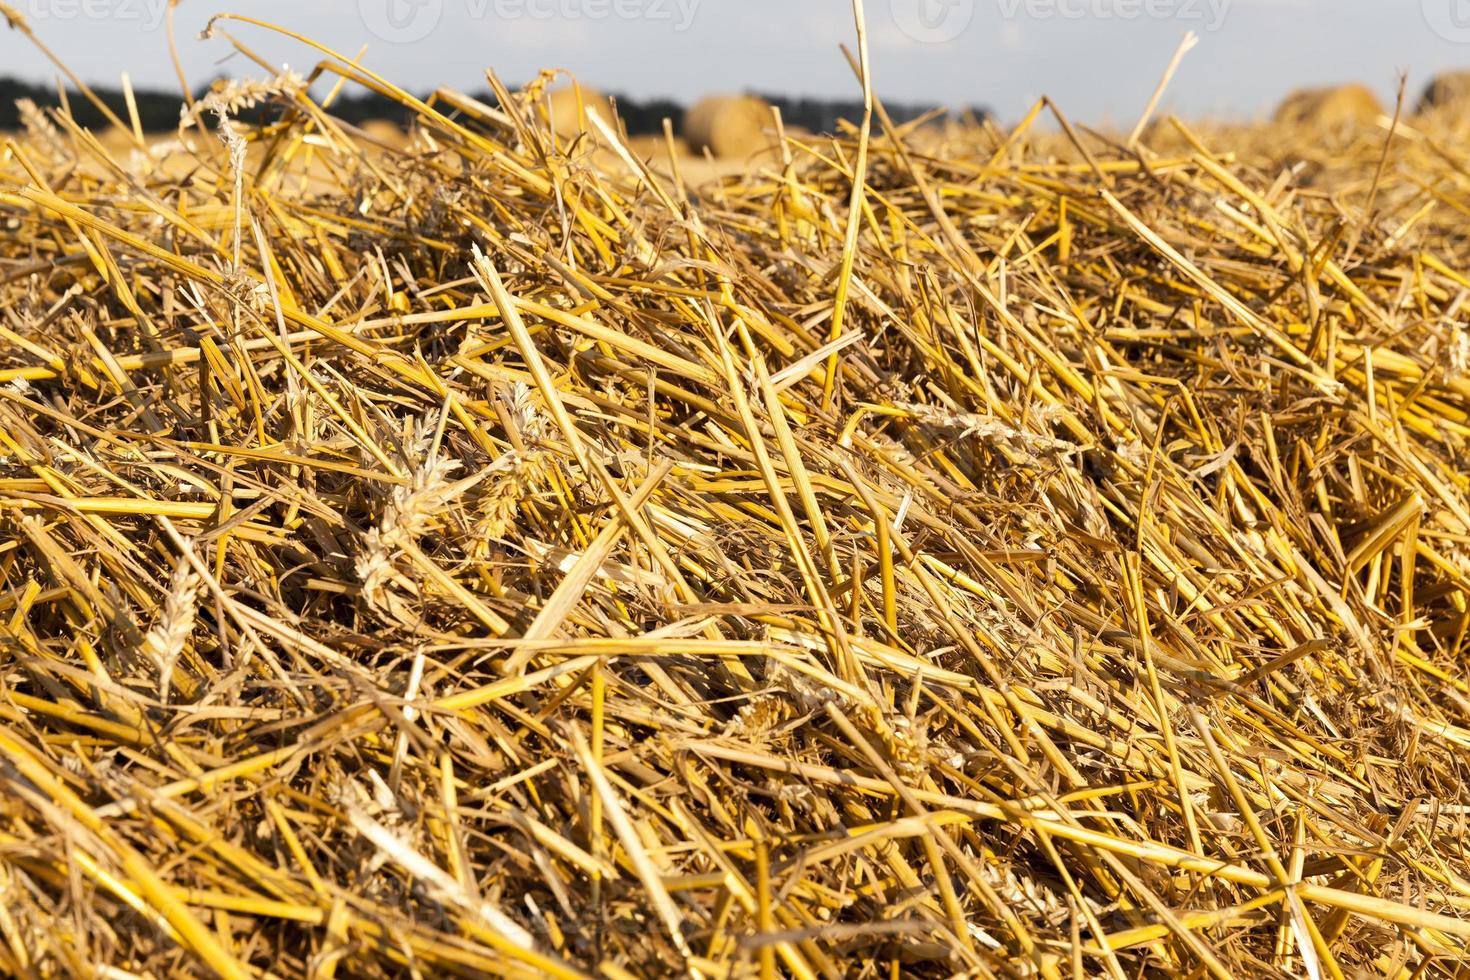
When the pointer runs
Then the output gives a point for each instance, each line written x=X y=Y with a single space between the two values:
x=462 y=559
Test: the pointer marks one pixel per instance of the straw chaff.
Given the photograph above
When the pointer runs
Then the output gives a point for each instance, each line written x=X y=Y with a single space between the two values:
x=463 y=559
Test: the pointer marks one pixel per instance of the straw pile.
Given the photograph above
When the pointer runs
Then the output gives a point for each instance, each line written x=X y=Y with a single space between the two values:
x=735 y=126
x=463 y=561
x=1334 y=107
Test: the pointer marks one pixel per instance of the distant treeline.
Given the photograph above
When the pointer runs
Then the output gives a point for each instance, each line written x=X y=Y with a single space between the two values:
x=159 y=111
x=822 y=115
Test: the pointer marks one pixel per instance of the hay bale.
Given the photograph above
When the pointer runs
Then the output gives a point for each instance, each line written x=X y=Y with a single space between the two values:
x=384 y=132
x=568 y=107
x=1333 y=107
x=1448 y=91
x=729 y=125
x=656 y=148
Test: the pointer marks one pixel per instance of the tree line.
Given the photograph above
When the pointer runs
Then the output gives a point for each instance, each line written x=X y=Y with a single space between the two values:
x=158 y=111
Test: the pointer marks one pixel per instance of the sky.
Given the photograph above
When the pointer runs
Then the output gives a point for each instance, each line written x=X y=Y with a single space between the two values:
x=1099 y=59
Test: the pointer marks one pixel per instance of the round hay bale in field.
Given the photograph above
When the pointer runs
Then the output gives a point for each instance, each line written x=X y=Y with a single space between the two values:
x=656 y=148
x=729 y=125
x=568 y=108
x=384 y=132
x=1448 y=91
x=1335 y=107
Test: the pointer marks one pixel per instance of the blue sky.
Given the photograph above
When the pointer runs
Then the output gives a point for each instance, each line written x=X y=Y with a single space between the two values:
x=1098 y=58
